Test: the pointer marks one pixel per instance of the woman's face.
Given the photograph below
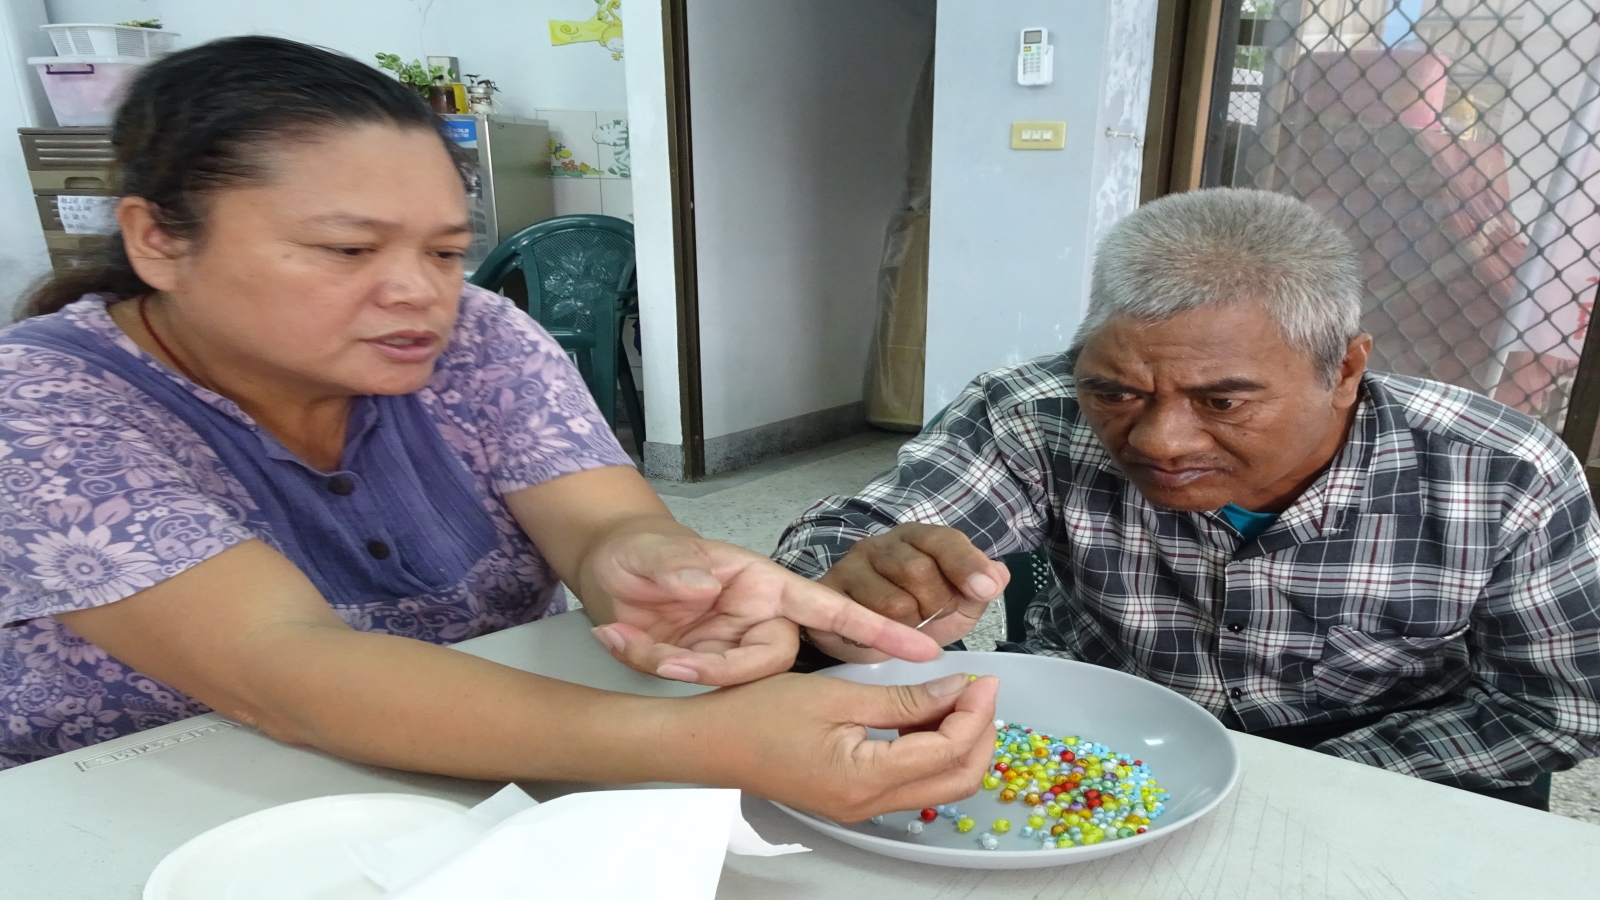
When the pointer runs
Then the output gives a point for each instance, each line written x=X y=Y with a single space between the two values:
x=339 y=273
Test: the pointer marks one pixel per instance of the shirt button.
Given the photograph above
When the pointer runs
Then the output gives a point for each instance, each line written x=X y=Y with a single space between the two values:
x=1236 y=693
x=341 y=485
x=378 y=549
x=1236 y=627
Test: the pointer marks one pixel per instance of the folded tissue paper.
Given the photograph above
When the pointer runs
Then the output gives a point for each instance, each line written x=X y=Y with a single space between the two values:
x=627 y=845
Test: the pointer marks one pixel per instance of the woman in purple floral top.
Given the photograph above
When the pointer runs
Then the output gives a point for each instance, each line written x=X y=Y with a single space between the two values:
x=271 y=453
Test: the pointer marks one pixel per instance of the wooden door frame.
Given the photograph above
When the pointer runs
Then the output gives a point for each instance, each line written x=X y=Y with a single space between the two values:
x=680 y=152
x=1182 y=88
x=1583 y=410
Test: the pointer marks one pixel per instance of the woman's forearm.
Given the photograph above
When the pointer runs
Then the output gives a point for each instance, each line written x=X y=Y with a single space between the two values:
x=795 y=738
x=246 y=633
x=410 y=705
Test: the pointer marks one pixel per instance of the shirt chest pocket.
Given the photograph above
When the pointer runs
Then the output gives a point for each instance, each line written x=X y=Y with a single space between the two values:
x=1360 y=668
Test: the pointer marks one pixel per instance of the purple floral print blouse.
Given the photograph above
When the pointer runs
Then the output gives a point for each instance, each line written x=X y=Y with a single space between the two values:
x=117 y=473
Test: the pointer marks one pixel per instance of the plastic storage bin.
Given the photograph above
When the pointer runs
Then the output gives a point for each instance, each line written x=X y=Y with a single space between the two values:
x=110 y=40
x=85 y=90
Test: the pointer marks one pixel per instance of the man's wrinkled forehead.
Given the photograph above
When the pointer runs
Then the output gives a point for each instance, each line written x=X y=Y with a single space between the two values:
x=1231 y=384
x=1220 y=349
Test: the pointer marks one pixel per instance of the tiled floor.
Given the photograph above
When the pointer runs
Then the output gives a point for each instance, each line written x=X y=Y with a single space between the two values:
x=751 y=508
x=1576 y=794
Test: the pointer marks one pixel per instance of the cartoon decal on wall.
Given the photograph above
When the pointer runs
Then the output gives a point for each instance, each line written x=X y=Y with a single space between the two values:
x=604 y=29
x=614 y=134
x=588 y=143
x=563 y=165
x=612 y=140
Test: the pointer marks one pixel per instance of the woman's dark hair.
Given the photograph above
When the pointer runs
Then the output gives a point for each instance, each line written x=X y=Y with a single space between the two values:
x=204 y=119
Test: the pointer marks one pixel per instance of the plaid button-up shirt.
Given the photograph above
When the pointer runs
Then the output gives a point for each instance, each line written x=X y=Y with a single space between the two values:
x=1444 y=567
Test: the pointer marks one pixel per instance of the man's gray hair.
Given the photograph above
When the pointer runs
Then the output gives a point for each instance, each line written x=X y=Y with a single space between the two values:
x=1227 y=245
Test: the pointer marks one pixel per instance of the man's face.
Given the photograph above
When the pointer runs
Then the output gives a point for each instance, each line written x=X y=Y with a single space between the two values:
x=1213 y=406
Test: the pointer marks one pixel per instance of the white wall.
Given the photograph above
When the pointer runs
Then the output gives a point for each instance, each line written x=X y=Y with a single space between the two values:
x=506 y=41
x=23 y=256
x=799 y=142
x=1012 y=231
x=652 y=222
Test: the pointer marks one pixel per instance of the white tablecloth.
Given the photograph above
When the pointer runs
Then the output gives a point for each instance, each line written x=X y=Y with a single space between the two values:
x=91 y=825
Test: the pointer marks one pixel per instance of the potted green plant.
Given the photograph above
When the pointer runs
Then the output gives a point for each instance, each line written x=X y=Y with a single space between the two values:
x=427 y=81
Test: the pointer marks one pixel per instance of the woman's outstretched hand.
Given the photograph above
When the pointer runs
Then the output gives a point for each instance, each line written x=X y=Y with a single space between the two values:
x=696 y=610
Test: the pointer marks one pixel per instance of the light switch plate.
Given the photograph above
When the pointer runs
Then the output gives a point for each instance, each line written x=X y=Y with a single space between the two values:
x=1038 y=135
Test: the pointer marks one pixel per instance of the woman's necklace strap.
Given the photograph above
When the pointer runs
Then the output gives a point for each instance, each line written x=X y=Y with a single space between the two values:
x=155 y=336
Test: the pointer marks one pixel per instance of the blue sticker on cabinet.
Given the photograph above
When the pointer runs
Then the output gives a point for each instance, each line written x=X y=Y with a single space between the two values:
x=463 y=131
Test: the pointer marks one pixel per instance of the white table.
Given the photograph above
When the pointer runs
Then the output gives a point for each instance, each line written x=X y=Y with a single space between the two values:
x=94 y=823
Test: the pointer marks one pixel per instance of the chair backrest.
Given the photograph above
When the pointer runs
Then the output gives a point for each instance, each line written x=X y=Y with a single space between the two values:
x=575 y=267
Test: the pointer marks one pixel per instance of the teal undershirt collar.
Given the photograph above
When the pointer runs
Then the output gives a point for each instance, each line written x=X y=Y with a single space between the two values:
x=1247 y=523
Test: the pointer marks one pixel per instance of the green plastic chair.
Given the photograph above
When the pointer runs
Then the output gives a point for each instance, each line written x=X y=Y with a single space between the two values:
x=1031 y=576
x=581 y=285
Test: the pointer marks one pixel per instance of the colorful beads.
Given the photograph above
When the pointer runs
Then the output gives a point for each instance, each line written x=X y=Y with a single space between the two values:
x=1073 y=793
x=1077 y=793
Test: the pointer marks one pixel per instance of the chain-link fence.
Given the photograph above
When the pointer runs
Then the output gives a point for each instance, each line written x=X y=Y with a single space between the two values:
x=1455 y=141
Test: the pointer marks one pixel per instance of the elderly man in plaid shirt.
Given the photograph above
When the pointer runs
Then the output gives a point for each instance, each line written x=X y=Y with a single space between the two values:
x=1383 y=568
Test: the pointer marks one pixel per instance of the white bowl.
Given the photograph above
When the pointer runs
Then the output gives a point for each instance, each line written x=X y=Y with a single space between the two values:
x=1188 y=751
